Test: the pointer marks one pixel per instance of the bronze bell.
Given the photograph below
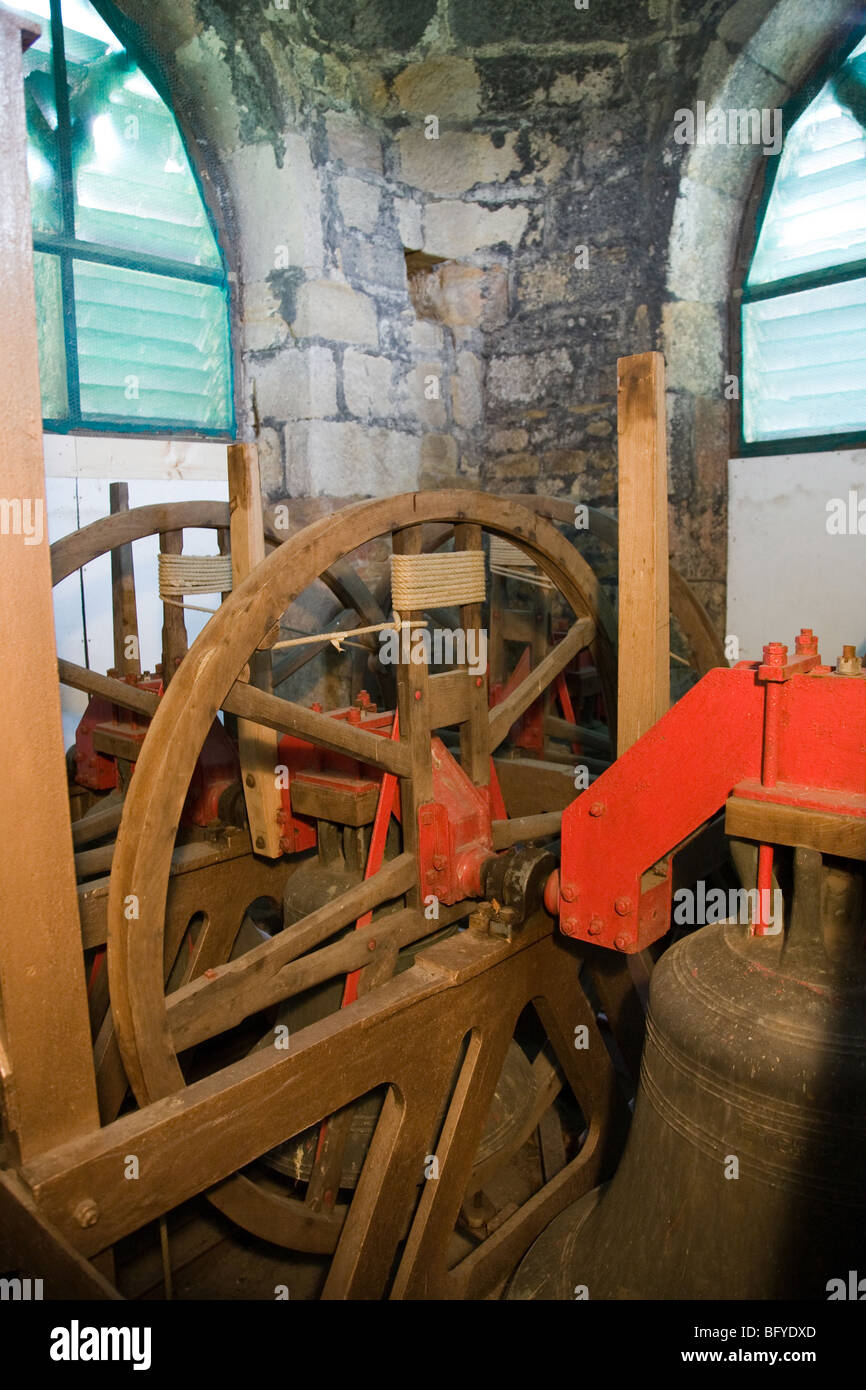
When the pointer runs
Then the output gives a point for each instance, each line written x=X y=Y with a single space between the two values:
x=742 y=1177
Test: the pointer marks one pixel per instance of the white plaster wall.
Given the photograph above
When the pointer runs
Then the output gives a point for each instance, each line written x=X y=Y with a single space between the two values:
x=785 y=571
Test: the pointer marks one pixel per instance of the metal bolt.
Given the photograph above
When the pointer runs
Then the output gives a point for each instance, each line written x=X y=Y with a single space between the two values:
x=622 y=907
x=417 y=694
x=622 y=941
x=260 y=842
x=596 y=926
x=371 y=944
x=806 y=643
x=775 y=654
x=568 y=892
x=353 y=716
x=597 y=808
x=439 y=861
x=251 y=781
x=86 y=1213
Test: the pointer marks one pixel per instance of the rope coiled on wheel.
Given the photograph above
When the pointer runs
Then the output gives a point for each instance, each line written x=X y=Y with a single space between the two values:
x=513 y=563
x=437 y=581
x=180 y=575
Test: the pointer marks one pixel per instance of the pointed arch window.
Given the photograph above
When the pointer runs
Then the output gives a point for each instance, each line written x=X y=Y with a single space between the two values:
x=804 y=298
x=131 y=284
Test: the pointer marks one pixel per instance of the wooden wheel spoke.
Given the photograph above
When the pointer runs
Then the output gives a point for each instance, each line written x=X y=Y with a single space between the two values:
x=502 y=716
x=218 y=1001
x=334 y=734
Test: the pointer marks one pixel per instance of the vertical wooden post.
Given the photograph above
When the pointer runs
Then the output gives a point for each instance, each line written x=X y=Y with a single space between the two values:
x=46 y=1059
x=474 y=756
x=175 y=643
x=413 y=705
x=644 y=601
x=257 y=745
x=123 y=608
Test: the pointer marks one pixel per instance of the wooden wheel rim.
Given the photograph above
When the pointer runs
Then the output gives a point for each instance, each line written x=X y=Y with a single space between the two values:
x=151 y=817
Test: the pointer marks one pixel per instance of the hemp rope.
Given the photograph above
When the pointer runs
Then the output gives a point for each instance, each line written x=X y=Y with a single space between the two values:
x=513 y=563
x=437 y=581
x=193 y=574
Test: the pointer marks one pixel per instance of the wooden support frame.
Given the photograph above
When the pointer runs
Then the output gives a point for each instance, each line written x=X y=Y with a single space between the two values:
x=257 y=743
x=47 y=1072
x=406 y=1034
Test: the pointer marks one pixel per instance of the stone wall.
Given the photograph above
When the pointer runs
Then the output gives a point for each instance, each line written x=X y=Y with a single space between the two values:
x=526 y=149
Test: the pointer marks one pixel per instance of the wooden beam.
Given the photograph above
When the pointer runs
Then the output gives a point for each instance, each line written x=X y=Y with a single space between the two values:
x=474 y=753
x=175 y=643
x=503 y=715
x=211 y=1004
x=49 y=1084
x=336 y=734
x=257 y=743
x=127 y=657
x=38 y=1248
x=773 y=823
x=644 y=600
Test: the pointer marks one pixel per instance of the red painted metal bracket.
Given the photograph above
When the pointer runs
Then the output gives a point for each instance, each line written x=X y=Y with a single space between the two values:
x=683 y=770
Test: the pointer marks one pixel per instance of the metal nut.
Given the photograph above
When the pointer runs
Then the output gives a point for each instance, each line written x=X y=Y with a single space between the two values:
x=86 y=1213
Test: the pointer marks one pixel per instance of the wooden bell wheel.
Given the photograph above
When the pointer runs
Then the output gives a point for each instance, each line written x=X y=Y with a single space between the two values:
x=153 y=1028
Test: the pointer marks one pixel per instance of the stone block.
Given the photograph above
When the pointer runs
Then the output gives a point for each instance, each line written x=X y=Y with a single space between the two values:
x=299 y=384
x=467 y=399
x=278 y=210
x=356 y=145
x=367 y=385
x=524 y=380
x=338 y=458
x=332 y=309
x=455 y=162
x=446 y=86
x=454 y=229
x=359 y=203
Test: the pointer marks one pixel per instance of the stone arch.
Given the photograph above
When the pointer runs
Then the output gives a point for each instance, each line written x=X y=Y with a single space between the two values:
x=715 y=184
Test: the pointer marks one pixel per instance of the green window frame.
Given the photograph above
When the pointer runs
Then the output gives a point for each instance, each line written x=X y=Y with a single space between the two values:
x=133 y=340
x=809 y=326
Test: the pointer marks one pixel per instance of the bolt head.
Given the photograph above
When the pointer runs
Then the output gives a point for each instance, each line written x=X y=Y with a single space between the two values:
x=417 y=694
x=86 y=1213
x=568 y=892
x=260 y=842
x=371 y=944
x=251 y=781
x=597 y=808
x=622 y=907
x=622 y=941
x=596 y=926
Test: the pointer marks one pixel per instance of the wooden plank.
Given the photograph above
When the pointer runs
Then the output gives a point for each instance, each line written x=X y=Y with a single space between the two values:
x=257 y=743
x=92 y=683
x=502 y=716
x=123 y=609
x=41 y=1251
x=773 y=823
x=644 y=598
x=336 y=734
x=449 y=698
x=533 y=787
x=209 y=1005
x=46 y=1030
x=599 y=739
x=282 y=715
x=511 y=832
